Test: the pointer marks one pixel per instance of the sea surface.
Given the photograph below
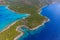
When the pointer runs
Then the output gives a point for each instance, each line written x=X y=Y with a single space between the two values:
x=50 y=30
x=8 y=16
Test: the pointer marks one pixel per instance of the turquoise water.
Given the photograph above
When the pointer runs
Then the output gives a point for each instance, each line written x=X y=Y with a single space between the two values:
x=28 y=32
x=7 y=17
x=50 y=30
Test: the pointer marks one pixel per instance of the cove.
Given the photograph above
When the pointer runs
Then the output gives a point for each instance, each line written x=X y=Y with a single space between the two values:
x=8 y=16
x=51 y=29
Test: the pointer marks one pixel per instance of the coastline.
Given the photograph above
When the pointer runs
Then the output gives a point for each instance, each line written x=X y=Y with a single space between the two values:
x=25 y=26
x=8 y=26
x=42 y=22
x=17 y=29
x=18 y=36
x=13 y=10
x=29 y=28
x=40 y=25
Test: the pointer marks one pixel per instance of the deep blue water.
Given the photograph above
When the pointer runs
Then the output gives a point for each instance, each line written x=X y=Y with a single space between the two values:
x=51 y=29
x=7 y=17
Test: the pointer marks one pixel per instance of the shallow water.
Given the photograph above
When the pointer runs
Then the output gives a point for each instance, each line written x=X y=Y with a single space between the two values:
x=51 y=29
x=7 y=17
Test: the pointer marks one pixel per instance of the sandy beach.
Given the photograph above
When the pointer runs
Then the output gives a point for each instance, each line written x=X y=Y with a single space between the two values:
x=8 y=26
x=40 y=25
x=17 y=29
x=29 y=28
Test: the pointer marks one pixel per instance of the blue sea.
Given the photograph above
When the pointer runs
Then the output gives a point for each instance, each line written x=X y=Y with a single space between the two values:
x=7 y=17
x=50 y=30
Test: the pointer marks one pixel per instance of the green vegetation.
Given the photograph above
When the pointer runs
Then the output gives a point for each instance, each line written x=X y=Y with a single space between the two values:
x=31 y=22
x=34 y=19
x=10 y=33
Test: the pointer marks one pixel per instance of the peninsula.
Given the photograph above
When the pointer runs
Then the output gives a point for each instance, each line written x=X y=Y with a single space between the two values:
x=32 y=22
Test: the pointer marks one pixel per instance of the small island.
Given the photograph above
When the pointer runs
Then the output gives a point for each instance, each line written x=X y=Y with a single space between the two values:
x=32 y=22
